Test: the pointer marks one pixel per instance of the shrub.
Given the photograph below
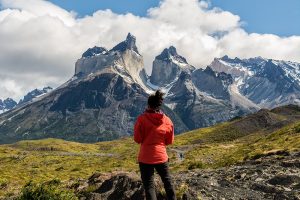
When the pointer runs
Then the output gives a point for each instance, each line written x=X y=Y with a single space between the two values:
x=85 y=192
x=257 y=156
x=3 y=183
x=297 y=128
x=181 y=190
x=51 y=190
x=195 y=165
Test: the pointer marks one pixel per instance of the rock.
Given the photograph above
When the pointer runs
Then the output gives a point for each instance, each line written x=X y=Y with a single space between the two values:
x=189 y=195
x=98 y=178
x=213 y=83
x=281 y=196
x=291 y=163
x=259 y=179
x=94 y=51
x=264 y=188
x=296 y=187
x=129 y=43
x=167 y=67
x=224 y=183
x=120 y=186
x=284 y=180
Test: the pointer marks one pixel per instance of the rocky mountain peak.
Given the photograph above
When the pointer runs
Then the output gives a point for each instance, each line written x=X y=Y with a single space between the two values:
x=226 y=58
x=7 y=104
x=258 y=59
x=208 y=70
x=123 y=59
x=94 y=51
x=10 y=102
x=170 y=54
x=167 y=66
x=167 y=53
x=129 y=43
x=34 y=93
x=130 y=40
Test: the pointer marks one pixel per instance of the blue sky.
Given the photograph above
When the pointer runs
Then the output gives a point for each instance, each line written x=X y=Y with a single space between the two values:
x=260 y=16
x=266 y=16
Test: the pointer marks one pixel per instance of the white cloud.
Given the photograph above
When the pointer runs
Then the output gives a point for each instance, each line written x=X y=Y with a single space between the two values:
x=40 y=42
x=192 y=14
x=10 y=87
x=239 y=43
x=39 y=8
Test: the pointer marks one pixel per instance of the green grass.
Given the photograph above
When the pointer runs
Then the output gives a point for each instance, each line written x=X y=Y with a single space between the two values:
x=213 y=147
x=205 y=152
x=44 y=160
x=50 y=190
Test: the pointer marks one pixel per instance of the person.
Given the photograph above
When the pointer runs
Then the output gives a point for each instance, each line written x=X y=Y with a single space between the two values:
x=154 y=130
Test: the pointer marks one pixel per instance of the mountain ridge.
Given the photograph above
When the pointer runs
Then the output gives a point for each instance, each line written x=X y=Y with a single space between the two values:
x=10 y=103
x=109 y=90
x=275 y=82
x=7 y=104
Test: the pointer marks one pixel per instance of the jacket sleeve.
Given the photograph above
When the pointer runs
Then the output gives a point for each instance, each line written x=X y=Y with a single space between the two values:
x=137 y=131
x=170 y=136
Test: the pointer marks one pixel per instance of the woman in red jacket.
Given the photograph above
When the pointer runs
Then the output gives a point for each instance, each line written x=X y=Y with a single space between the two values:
x=153 y=130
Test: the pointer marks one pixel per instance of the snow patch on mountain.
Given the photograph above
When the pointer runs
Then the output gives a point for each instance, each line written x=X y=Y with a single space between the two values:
x=237 y=99
x=292 y=69
x=265 y=82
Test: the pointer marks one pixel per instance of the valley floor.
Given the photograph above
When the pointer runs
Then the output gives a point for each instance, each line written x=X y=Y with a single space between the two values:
x=256 y=157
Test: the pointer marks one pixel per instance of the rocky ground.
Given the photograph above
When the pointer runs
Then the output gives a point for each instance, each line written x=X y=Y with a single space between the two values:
x=272 y=176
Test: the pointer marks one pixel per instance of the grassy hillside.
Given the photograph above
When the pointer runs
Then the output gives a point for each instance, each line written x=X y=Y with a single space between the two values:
x=218 y=146
x=202 y=151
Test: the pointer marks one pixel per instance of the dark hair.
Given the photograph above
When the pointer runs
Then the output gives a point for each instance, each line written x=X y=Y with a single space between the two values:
x=155 y=100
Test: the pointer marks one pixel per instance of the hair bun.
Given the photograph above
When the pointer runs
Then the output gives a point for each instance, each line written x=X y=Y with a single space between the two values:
x=156 y=100
x=159 y=94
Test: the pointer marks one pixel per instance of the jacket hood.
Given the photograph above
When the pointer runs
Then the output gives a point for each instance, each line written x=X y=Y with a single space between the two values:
x=156 y=118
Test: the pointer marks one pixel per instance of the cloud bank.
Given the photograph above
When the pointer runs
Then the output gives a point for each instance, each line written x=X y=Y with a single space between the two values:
x=40 y=42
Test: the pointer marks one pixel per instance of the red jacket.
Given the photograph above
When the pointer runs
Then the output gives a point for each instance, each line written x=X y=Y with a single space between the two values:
x=154 y=131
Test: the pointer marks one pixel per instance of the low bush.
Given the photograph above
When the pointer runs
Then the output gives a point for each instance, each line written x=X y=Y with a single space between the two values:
x=195 y=165
x=3 y=183
x=51 y=190
x=297 y=128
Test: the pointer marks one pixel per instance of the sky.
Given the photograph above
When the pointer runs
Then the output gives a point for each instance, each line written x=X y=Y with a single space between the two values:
x=259 y=16
x=40 y=40
x=265 y=16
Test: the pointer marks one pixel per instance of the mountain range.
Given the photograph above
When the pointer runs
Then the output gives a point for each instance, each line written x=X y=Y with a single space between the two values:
x=110 y=88
x=265 y=82
x=9 y=103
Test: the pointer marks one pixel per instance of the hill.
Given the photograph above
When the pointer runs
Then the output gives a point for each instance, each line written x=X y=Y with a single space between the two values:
x=258 y=135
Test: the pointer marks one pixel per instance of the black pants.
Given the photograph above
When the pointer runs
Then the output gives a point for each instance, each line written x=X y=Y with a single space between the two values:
x=147 y=175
